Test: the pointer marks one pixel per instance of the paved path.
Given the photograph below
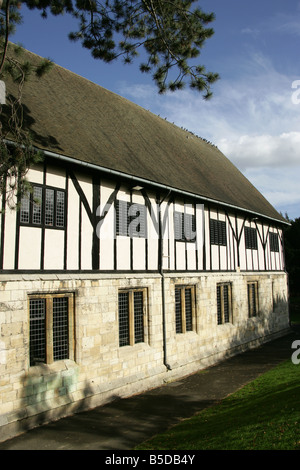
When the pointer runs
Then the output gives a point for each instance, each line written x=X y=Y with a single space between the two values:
x=124 y=423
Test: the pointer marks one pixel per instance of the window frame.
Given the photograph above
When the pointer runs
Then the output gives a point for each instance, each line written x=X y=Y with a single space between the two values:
x=184 y=227
x=252 y=295
x=182 y=324
x=49 y=327
x=251 y=238
x=274 y=242
x=222 y=315
x=130 y=336
x=123 y=219
x=29 y=199
x=217 y=232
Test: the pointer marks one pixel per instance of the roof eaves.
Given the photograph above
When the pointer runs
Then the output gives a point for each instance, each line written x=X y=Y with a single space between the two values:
x=136 y=179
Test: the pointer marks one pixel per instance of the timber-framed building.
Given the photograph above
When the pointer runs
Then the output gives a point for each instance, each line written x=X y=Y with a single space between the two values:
x=141 y=254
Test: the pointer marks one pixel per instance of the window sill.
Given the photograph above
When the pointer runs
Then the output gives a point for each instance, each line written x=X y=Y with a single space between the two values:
x=183 y=335
x=48 y=369
x=137 y=346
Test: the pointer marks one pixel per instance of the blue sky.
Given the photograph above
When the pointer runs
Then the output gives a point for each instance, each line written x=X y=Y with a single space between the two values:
x=254 y=115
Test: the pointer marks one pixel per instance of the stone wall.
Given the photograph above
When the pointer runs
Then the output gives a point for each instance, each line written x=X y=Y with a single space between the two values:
x=101 y=370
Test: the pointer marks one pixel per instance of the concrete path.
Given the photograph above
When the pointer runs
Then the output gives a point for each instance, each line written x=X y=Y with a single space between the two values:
x=125 y=423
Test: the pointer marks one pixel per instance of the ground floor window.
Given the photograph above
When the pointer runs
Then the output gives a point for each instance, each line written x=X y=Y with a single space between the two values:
x=185 y=308
x=252 y=299
x=224 y=304
x=51 y=335
x=132 y=316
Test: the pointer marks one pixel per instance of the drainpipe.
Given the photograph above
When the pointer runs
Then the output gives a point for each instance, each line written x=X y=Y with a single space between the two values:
x=2 y=90
x=161 y=271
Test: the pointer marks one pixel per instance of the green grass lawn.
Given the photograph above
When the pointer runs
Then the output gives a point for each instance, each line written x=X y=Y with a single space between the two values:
x=263 y=415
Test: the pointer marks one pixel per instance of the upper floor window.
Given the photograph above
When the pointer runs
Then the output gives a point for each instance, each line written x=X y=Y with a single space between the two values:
x=217 y=231
x=250 y=238
x=184 y=227
x=131 y=219
x=274 y=242
x=44 y=206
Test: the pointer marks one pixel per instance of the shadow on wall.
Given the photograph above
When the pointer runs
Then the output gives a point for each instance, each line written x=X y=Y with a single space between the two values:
x=48 y=395
x=280 y=304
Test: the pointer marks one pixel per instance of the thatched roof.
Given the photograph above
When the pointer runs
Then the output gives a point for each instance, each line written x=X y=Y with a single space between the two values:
x=71 y=116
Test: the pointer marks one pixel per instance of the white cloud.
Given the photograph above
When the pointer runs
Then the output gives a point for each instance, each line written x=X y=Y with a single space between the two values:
x=280 y=188
x=253 y=151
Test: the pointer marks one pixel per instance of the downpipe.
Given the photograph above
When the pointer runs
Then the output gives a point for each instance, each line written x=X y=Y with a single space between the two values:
x=163 y=300
x=167 y=365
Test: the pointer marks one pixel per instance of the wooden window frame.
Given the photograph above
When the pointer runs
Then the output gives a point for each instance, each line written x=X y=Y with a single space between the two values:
x=182 y=289
x=274 y=242
x=48 y=298
x=130 y=339
x=217 y=231
x=124 y=217
x=32 y=204
x=252 y=293
x=184 y=227
x=221 y=312
x=251 y=238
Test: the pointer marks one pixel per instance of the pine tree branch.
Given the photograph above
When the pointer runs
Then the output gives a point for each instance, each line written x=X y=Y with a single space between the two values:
x=6 y=35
